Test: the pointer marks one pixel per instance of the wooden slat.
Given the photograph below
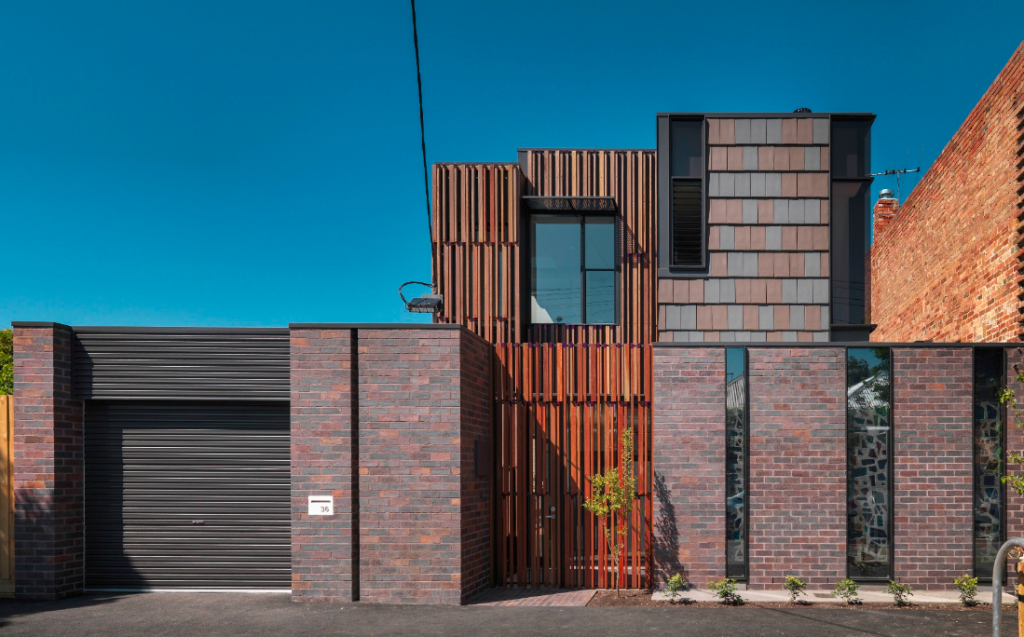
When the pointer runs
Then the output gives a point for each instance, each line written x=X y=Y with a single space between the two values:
x=556 y=400
x=6 y=495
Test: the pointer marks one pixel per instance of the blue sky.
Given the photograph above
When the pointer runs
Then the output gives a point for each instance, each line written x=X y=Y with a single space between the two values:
x=256 y=163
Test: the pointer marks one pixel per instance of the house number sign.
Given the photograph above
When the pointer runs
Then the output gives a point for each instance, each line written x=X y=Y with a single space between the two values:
x=321 y=505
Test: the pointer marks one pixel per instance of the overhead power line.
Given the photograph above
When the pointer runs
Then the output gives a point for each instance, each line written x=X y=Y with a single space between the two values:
x=423 y=134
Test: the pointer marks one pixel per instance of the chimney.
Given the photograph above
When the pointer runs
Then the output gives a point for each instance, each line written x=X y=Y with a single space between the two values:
x=885 y=210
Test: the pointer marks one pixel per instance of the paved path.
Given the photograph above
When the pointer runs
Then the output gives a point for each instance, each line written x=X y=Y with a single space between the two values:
x=189 y=615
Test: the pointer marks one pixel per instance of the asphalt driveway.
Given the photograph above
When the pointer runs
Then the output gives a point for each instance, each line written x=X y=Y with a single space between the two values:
x=189 y=615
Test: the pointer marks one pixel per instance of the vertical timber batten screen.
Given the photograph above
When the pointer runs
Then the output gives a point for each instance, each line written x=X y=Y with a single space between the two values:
x=6 y=495
x=562 y=392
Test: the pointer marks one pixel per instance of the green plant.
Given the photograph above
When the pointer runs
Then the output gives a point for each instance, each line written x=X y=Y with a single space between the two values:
x=846 y=589
x=676 y=585
x=6 y=362
x=968 y=587
x=899 y=592
x=725 y=590
x=613 y=500
x=795 y=586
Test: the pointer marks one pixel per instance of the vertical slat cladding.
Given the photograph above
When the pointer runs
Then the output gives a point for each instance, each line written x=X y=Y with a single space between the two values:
x=187 y=495
x=181 y=363
x=562 y=393
x=6 y=493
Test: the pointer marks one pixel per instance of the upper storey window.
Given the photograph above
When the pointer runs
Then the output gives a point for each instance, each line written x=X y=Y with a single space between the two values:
x=573 y=269
x=687 y=171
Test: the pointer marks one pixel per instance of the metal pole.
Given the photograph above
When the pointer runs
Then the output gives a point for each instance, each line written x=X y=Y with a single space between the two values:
x=998 y=569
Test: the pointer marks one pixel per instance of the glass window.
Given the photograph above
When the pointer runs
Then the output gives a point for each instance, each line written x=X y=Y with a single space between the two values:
x=736 y=462
x=573 y=273
x=989 y=493
x=850 y=227
x=687 y=148
x=868 y=464
x=851 y=148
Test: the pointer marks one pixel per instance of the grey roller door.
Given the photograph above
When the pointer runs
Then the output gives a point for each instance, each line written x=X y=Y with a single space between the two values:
x=187 y=495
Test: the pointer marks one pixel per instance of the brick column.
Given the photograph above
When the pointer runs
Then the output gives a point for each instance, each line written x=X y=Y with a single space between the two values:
x=48 y=521
x=932 y=419
x=322 y=435
x=689 y=463
x=797 y=465
x=390 y=420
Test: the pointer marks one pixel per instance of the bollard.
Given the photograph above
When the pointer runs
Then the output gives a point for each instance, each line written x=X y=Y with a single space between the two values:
x=998 y=570
x=1020 y=595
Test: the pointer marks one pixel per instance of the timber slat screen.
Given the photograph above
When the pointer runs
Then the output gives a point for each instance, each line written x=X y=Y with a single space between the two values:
x=6 y=495
x=562 y=392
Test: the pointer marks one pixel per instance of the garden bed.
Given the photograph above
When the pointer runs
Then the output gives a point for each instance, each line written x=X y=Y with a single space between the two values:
x=640 y=598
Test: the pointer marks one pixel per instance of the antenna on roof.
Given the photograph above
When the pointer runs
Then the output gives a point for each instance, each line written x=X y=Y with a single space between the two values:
x=898 y=173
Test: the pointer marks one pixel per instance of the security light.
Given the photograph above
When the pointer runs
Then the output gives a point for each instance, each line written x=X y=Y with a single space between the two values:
x=428 y=303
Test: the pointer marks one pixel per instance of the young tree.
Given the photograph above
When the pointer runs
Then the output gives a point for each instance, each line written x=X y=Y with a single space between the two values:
x=6 y=362
x=613 y=499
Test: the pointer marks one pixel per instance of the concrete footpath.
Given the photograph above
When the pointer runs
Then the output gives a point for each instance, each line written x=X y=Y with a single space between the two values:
x=188 y=615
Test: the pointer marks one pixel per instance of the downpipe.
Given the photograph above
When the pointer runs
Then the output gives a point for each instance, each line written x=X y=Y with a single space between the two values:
x=998 y=570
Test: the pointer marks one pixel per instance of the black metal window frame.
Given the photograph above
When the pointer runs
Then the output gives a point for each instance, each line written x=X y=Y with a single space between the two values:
x=890 y=513
x=1004 y=383
x=666 y=183
x=581 y=217
x=746 y=464
x=833 y=230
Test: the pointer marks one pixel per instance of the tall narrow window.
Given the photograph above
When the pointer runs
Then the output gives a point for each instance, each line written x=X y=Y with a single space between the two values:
x=851 y=222
x=736 y=462
x=868 y=464
x=574 y=269
x=687 y=170
x=989 y=493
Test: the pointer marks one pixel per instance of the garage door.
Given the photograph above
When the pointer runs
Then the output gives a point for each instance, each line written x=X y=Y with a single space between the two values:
x=187 y=495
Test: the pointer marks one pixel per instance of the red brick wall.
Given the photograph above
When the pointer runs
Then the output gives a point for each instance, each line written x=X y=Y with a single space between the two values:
x=689 y=464
x=418 y=530
x=48 y=527
x=477 y=425
x=946 y=267
x=797 y=465
x=933 y=423
x=322 y=445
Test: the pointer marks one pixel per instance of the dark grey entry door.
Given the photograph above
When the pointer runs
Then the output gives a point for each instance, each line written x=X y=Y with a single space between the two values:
x=190 y=495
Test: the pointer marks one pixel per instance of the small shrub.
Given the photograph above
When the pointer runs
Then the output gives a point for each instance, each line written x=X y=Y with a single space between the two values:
x=796 y=587
x=899 y=592
x=726 y=591
x=676 y=585
x=846 y=589
x=968 y=587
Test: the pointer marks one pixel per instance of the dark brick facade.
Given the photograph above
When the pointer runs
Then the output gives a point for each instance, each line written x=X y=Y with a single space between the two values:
x=689 y=464
x=48 y=528
x=797 y=466
x=410 y=529
x=322 y=463
x=933 y=424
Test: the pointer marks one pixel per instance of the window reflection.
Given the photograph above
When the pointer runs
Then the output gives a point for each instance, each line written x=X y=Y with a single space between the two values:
x=736 y=462
x=868 y=463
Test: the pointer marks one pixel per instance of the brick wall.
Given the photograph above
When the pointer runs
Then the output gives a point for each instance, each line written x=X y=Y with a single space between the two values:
x=797 y=465
x=476 y=439
x=411 y=528
x=48 y=528
x=689 y=463
x=768 y=242
x=322 y=464
x=409 y=461
x=933 y=423
x=946 y=267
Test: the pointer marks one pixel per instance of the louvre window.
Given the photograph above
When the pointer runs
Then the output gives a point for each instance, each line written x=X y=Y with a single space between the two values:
x=687 y=162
